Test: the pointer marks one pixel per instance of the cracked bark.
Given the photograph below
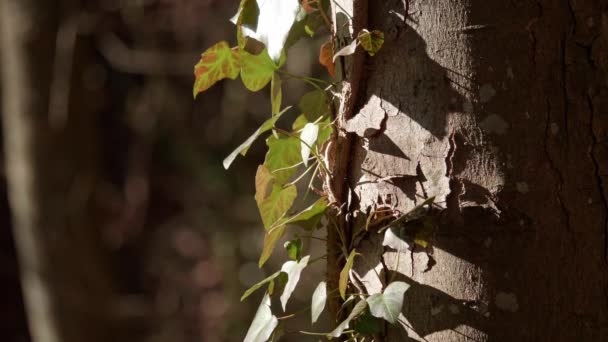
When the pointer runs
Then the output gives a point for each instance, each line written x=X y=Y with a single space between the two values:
x=512 y=117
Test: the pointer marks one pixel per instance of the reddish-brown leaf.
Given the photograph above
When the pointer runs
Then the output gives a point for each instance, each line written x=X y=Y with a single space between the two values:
x=217 y=62
x=326 y=57
x=306 y=5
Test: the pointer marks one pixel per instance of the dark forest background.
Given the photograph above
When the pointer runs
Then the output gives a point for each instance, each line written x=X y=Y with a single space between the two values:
x=181 y=235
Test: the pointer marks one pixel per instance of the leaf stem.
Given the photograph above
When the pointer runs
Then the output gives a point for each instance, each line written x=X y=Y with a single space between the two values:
x=314 y=152
x=294 y=314
x=312 y=333
x=302 y=175
x=317 y=258
x=310 y=80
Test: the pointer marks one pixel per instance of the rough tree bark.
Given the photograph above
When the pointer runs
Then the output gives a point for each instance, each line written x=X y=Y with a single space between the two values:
x=498 y=109
x=50 y=173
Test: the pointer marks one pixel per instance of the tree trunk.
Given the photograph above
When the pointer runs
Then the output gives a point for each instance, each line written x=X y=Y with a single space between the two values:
x=498 y=110
x=51 y=171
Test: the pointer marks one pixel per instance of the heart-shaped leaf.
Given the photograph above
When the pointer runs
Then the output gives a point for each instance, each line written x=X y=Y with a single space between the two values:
x=371 y=41
x=293 y=270
x=216 y=63
x=263 y=323
x=256 y=70
x=274 y=207
x=388 y=304
x=314 y=104
x=319 y=298
x=283 y=153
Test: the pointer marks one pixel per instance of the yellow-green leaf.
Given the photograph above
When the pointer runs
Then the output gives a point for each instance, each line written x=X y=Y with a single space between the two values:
x=344 y=274
x=309 y=217
x=270 y=241
x=293 y=249
x=256 y=70
x=264 y=181
x=216 y=63
x=371 y=41
x=276 y=94
x=274 y=207
x=314 y=104
x=283 y=152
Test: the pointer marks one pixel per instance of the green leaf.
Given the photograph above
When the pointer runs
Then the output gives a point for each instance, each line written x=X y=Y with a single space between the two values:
x=283 y=152
x=314 y=105
x=309 y=31
x=299 y=122
x=274 y=23
x=293 y=270
x=270 y=241
x=273 y=202
x=308 y=137
x=371 y=41
x=309 y=217
x=216 y=63
x=276 y=94
x=274 y=207
x=242 y=149
x=256 y=70
x=388 y=304
x=343 y=283
x=319 y=298
x=259 y=285
x=293 y=248
x=368 y=324
x=357 y=311
x=263 y=323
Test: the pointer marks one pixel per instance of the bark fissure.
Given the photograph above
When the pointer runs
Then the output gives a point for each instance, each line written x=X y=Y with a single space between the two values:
x=556 y=171
x=564 y=80
x=597 y=174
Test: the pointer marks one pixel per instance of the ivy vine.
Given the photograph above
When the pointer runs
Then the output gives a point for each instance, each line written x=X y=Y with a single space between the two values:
x=265 y=29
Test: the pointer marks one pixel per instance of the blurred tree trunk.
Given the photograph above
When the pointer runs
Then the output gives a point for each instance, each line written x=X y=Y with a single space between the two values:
x=51 y=173
x=498 y=109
